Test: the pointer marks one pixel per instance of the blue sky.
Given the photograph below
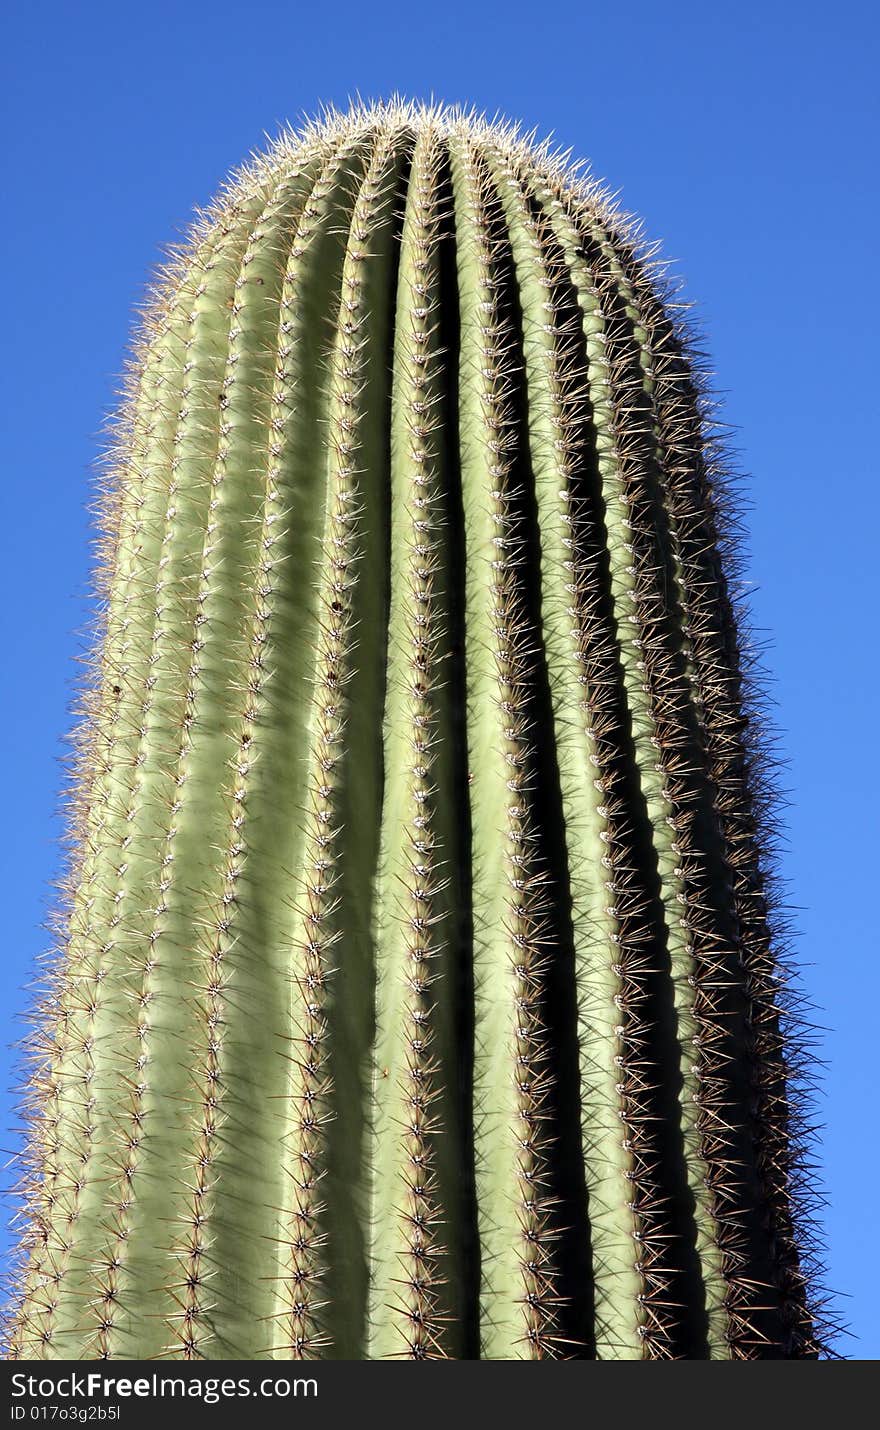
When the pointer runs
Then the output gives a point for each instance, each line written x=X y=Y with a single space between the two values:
x=742 y=134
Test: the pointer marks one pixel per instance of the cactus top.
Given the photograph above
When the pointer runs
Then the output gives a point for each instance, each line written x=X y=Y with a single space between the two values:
x=418 y=995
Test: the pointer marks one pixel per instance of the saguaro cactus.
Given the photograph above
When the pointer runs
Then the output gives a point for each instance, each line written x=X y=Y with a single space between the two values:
x=419 y=997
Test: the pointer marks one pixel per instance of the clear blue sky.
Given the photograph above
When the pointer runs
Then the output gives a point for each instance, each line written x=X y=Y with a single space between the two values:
x=744 y=134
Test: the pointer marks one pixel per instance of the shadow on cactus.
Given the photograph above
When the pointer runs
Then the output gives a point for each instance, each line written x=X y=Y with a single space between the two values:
x=419 y=994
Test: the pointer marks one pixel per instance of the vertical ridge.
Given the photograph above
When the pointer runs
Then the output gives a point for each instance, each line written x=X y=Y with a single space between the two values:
x=328 y=855
x=608 y=930
x=758 y=1291
x=229 y=1180
x=183 y=813
x=415 y=894
x=660 y=704
x=510 y=933
x=49 y=1258
x=221 y=950
x=102 y=985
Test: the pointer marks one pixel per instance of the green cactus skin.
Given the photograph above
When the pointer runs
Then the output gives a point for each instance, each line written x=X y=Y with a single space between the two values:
x=419 y=997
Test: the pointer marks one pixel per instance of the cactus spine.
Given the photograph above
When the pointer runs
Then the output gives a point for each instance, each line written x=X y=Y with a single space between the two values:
x=419 y=997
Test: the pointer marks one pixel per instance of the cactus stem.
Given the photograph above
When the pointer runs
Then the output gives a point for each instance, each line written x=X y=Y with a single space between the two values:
x=420 y=993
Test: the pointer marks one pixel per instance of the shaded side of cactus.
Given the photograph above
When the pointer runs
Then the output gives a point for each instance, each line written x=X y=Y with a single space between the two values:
x=419 y=996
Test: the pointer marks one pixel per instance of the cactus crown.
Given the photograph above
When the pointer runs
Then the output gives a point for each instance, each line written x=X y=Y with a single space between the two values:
x=419 y=996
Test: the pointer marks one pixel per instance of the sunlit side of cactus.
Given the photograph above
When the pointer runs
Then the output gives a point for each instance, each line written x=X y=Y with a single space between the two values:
x=418 y=996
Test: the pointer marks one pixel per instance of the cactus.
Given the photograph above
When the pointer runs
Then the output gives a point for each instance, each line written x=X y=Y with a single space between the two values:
x=419 y=994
